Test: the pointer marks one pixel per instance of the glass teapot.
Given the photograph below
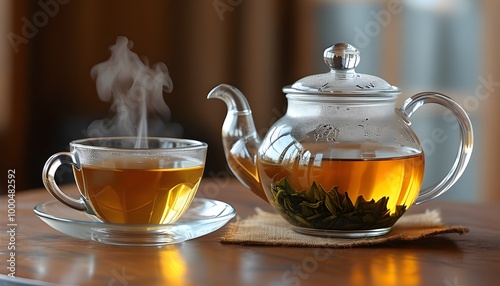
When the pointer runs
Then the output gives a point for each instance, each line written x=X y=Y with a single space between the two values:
x=343 y=160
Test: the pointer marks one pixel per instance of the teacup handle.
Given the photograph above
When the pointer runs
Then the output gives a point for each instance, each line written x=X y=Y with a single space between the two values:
x=466 y=140
x=48 y=178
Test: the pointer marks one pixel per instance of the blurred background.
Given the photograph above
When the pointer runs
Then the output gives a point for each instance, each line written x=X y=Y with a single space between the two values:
x=48 y=47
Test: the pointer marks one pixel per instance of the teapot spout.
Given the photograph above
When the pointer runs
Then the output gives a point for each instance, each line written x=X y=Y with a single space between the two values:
x=239 y=137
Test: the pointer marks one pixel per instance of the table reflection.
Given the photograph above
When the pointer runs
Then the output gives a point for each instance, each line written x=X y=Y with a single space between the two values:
x=354 y=267
x=173 y=266
x=388 y=269
x=128 y=265
x=79 y=268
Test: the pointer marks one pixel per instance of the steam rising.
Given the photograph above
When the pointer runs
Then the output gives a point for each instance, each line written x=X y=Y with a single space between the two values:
x=136 y=93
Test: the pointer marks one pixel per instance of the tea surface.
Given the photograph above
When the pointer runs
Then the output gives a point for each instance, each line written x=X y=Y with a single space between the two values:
x=148 y=192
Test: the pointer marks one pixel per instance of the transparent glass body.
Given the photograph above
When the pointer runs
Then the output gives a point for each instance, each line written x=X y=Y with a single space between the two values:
x=360 y=149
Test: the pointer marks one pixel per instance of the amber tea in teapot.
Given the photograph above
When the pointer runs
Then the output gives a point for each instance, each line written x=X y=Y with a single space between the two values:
x=343 y=160
x=315 y=194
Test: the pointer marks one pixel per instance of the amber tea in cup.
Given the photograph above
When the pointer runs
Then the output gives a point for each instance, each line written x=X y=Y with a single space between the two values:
x=139 y=192
x=122 y=183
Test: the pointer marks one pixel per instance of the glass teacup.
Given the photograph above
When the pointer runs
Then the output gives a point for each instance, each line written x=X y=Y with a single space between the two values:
x=121 y=181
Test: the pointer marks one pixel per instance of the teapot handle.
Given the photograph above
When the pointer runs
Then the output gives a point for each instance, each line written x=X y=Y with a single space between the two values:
x=466 y=140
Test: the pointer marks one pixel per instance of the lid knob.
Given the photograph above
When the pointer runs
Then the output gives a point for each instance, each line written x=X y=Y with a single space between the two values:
x=342 y=79
x=341 y=56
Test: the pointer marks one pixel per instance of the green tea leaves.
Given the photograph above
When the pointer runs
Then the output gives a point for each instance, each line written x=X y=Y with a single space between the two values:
x=318 y=208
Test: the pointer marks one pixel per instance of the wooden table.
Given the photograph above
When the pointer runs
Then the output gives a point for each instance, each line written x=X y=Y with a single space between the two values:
x=43 y=254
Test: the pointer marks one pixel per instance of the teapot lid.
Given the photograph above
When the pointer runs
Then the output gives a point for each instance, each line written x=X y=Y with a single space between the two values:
x=342 y=79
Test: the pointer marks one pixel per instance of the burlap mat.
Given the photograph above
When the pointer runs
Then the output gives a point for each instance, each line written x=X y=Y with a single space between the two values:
x=271 y=229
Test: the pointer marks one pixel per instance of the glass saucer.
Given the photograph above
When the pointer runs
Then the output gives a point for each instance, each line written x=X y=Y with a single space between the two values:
x=203 y=217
